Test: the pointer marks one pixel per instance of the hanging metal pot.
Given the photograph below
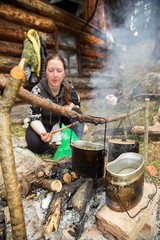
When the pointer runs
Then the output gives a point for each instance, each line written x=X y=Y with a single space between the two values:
x=125 y=181
x=88 y=159
x=118 y=146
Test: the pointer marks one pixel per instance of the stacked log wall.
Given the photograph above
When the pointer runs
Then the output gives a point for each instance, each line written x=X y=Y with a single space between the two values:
x=17 y=17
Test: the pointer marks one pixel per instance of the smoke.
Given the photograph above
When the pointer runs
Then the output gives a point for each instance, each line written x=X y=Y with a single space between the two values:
x=132 y=33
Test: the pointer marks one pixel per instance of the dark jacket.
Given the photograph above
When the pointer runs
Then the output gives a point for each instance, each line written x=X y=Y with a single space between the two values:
x=49 y=118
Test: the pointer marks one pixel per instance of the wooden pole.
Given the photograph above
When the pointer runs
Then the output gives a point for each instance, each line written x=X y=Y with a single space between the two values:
x=7 y=161
x=146 y=124
x=124 y=128
x=36 y=100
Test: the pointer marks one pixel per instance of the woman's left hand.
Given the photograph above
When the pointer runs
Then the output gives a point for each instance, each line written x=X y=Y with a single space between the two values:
x=70 y=106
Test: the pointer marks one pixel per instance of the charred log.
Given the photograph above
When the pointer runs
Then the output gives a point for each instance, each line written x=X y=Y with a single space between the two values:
x=57 y=204
x=32 y=179
x=53 y=219
x=50 y=176
x=52 y=185
x=82 y=196
x=65 y=177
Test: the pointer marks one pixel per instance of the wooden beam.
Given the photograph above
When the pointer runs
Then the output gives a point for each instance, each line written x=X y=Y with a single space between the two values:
x=12 y=32
x=60 y=16
x=93 y=52
x=11 y=49
x=7 y=63
x=26 y=18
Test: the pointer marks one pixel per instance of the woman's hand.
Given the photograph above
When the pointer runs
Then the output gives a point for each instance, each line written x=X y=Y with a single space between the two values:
x=70 y=106
x=46 y=137
x=39 y=128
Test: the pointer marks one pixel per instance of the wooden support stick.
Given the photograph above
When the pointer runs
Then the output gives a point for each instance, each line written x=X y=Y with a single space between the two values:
x=124 y=128
x=35 y=100
x=67 y=126
x=146 y=123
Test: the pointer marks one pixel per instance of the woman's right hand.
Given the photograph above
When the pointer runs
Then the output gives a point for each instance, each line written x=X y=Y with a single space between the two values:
x=39 y=128
x=46 y=137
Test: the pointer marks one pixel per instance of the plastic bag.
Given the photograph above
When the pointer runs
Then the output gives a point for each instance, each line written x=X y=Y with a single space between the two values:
x=64 y=149
x=56 y=137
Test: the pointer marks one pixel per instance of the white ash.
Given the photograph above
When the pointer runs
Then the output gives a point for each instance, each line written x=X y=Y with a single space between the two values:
x=46 y=201
x=43 y=198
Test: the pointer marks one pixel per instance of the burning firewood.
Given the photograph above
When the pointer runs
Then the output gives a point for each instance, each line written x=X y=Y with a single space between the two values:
x=52 y=185
x=59 y=170
x=30 y=179
x=54 y=210
x=82 y=196
x=74 y=175
x=79 y=201
x=53 y=219
x=46 y=170
x=65 y=176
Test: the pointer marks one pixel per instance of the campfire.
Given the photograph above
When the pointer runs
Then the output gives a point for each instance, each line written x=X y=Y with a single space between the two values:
x=66 y=197
x=60 y=204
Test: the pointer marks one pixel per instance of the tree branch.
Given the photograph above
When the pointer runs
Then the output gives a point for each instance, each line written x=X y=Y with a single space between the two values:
x=38 y=101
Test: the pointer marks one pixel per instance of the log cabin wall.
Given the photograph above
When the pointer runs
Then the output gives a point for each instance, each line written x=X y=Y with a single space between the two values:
x=82 y=45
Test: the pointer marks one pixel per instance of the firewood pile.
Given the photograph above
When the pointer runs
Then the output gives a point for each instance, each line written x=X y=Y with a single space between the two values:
x=70 y=194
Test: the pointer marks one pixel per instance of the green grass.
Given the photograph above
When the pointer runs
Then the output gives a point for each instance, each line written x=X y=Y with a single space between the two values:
x=18 y=130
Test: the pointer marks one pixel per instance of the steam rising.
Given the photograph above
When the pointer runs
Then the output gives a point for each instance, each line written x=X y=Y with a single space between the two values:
x=133 y=26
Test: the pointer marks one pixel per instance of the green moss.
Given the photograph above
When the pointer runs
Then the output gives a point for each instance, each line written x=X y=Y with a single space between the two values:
x=18 y=130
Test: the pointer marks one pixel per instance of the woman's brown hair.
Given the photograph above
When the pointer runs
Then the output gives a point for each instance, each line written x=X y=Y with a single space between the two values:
x=55 y=56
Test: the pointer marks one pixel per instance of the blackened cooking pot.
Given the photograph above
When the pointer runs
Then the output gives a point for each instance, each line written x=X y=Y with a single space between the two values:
x=118 y=146
x=88 y=159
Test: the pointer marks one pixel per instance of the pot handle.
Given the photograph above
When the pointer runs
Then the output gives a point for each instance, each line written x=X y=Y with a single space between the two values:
x=105 y=130
x=113 y=190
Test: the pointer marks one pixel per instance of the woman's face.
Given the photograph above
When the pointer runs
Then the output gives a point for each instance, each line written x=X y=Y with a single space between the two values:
x=55 y=72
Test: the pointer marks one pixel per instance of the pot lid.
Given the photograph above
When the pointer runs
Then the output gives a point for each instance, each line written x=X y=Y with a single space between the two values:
x=122 y=141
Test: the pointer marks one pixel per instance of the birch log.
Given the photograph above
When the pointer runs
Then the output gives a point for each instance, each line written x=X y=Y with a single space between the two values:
x=7 y=157
x=33 y=99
